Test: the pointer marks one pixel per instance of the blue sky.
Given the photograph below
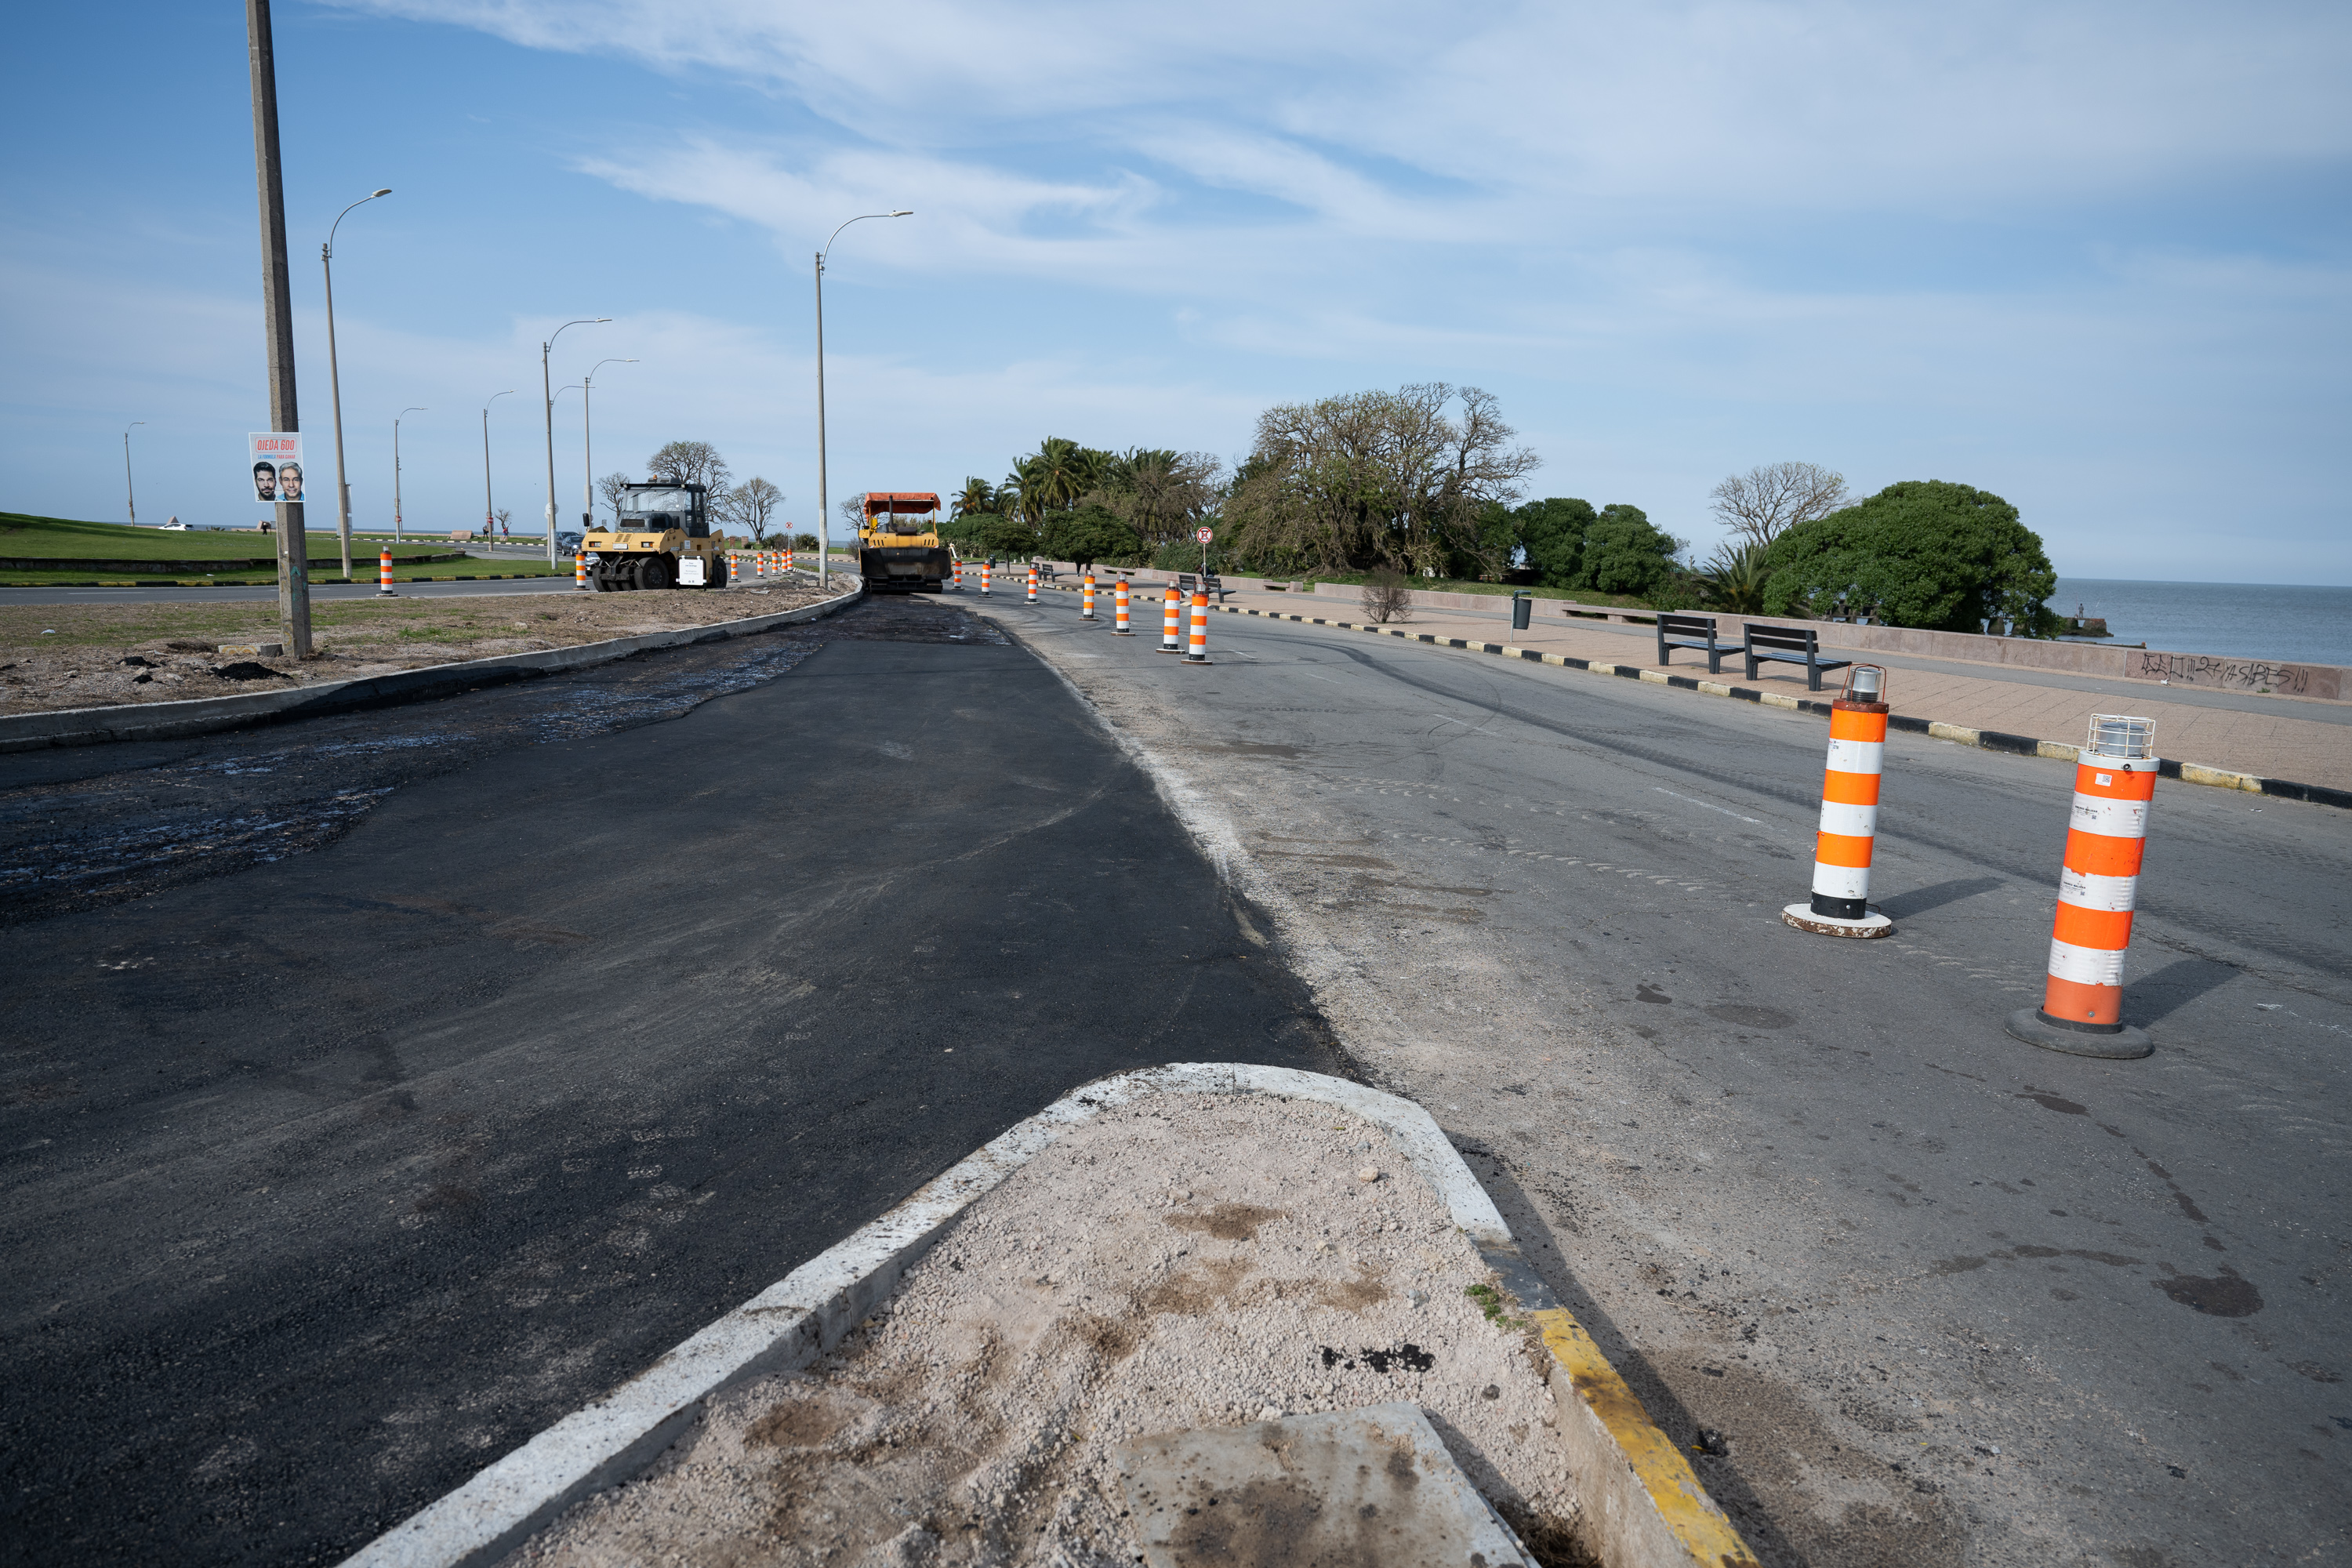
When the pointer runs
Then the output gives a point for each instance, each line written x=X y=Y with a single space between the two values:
x=2091 y=256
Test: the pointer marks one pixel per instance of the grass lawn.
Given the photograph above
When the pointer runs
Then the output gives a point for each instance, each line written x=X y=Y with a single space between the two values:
x=22 y=534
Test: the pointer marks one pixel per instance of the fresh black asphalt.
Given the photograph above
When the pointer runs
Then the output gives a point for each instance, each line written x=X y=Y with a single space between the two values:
x=339 y=1166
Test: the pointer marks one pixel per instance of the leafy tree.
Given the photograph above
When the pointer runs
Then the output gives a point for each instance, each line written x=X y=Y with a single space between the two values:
x=1552 y=532
x=1625 y=554
x=1772 y=498
x=1402 y=479
x=804 y=541
x=1925 y=552
x=1088 y=534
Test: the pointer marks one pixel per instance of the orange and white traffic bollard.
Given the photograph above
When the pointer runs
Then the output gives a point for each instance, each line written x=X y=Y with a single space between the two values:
x=1199 y=652
x=2082 y=1003
x=383 y=575
x=1848 y=831
x=959 y=572
x=788 y=561
x=1033 y=581
x=579 y=572
x=986 y=567
x=1119 y=626
x=1087 y=600
x=1171 y=622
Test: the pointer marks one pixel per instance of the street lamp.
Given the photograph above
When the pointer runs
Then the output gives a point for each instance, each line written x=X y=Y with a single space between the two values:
x=490 y=517
x=335 y=383
x=130 y=494
x=587 y=459
x=823 y=502
x=395 y=470
x=547 y=394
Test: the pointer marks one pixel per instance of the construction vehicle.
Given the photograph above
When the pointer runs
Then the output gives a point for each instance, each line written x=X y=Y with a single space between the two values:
x=661 y=539
x=898 y=545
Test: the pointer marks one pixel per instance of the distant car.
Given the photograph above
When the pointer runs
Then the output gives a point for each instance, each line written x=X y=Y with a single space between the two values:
x=567 y=541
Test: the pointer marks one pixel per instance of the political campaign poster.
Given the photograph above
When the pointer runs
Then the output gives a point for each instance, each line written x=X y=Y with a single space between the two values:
x=277 y=459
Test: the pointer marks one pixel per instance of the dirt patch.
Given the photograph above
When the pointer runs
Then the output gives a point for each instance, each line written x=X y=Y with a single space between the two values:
x=1180 y=1264
x=96 y=656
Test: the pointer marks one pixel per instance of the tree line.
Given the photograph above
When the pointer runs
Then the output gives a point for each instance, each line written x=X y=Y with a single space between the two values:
x=1428 y=481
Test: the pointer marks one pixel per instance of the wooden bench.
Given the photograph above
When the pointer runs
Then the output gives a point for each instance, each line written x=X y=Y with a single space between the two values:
x=1789 y=644
x=1693 y=632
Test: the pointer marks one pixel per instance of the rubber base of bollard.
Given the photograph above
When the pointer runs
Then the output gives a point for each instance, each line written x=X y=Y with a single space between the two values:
x=1801 y=916
x=2125 y=1045
x=385 y=594
x=1201 y=659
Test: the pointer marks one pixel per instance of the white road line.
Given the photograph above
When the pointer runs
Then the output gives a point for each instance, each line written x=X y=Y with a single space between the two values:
x=1705 y=806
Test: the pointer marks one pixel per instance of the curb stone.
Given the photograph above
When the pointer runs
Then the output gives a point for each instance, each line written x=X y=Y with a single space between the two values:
x=207 y=715
x=1983 y=740
x=1645 y=1509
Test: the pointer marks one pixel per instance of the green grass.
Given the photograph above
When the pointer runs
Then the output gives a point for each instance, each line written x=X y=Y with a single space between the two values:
x=22 y=534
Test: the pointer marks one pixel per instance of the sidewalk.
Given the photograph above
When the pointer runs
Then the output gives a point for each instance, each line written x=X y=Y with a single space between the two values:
x=2302 y=740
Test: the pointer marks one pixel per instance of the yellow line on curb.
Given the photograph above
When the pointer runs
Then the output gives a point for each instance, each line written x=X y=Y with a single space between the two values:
x=1699 y=1526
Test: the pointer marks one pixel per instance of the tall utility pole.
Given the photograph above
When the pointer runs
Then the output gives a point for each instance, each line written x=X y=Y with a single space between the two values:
x=129 y=492
x=335 y=384
x=824 y=501
x=547 y=394
x=489 y=518
x=396 y=535
x=277 y=321
x=587 y=454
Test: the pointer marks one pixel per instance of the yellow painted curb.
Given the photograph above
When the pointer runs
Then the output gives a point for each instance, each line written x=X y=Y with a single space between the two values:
x=1691 y=1518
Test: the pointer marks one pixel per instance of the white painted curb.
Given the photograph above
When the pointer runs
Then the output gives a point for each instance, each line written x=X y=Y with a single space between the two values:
x=802 y=1316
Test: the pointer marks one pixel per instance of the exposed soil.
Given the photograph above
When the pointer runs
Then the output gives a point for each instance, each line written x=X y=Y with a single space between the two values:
x=94 y=655
x=1191 y=1261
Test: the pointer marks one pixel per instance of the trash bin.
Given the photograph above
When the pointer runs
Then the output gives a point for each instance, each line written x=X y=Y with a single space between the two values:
x=1522 y=606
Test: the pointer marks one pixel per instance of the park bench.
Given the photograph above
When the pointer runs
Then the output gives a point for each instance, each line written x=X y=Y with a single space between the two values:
x=1693 y=632
x=1208 y=581
x=1789 y=644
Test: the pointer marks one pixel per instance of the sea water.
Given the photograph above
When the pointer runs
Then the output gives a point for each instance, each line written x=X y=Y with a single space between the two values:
x=2274 y=621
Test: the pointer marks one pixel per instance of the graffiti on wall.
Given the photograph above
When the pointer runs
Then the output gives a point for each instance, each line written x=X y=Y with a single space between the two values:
x=2234 y=674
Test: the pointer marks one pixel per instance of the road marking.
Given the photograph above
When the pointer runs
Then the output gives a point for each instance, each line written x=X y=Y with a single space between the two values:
x=1725 y=810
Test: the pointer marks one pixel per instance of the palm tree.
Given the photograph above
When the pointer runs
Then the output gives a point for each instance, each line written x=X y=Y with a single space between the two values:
x=978 y=495
x=1735 y=578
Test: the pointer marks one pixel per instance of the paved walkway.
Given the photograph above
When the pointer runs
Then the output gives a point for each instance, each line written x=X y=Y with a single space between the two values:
x=2305 y=741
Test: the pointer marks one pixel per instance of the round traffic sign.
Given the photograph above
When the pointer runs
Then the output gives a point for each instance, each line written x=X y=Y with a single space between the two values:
x=1205 y=535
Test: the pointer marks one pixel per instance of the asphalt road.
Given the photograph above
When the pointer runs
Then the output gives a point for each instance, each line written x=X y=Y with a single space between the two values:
x=462 y=1057
x=1942 y=1296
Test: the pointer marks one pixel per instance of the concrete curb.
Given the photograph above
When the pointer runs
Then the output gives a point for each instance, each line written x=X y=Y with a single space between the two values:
x=206 y=715
x=1646 y=1509
x=1984 y=740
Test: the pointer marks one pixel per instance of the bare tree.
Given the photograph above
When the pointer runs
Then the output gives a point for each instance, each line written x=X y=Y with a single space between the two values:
x=690 y=463
x=1386 y=598
x=1772 y=498
x=752 y=506
x=853 y=512
x=612 y=486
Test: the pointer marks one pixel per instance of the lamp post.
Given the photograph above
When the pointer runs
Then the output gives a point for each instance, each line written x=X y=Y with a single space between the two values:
x=824 y=501
x=129 y=492
x=490 y=517
x=335 y=382
x=396 y=536
x=547 y=393
x=587 y=457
